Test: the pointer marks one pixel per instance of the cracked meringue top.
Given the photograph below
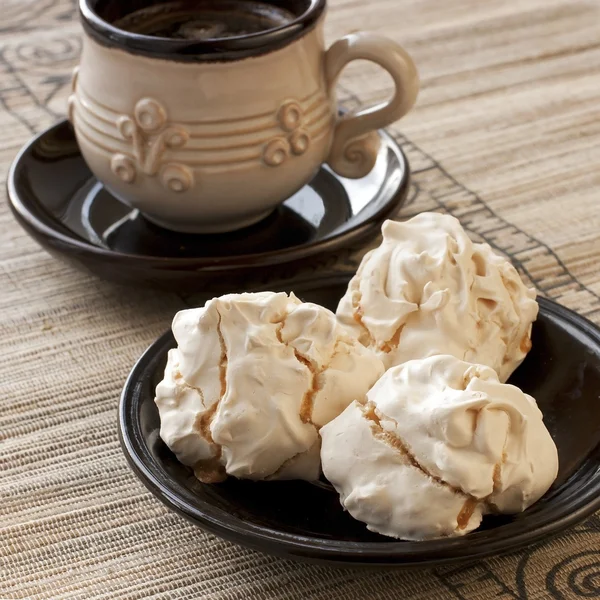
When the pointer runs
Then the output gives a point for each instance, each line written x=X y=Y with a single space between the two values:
x=428 y=289
x=438 y=443
x=253 y=378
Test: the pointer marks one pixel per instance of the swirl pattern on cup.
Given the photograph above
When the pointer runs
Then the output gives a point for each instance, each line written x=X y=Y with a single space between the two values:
x=123 y=167
x=276 y=152
x=150 y=115
x=203 y=145
x=127 y=127
x=290 y=117
x=299 y=141
x=359 y=156
x=150 y=136
x=176 y=178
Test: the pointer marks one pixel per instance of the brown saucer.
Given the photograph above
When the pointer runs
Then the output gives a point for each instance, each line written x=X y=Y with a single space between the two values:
x=54 y=196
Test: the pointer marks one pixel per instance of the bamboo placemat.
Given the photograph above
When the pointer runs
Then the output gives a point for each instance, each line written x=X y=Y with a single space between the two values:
x=506 y=136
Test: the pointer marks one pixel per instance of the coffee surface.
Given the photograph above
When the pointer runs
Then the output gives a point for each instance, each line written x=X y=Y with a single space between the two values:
x=205 y=20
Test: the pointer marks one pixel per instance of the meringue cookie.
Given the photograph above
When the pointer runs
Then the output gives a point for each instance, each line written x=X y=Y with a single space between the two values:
x=428 y=289
x=438 y=443
x=253 y=378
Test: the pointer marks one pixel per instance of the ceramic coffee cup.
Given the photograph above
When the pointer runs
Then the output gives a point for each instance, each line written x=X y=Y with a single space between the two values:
x=210 y=134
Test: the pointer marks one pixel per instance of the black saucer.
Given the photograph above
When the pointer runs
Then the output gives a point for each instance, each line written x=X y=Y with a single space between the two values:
x=61 y=204
x=305 y=521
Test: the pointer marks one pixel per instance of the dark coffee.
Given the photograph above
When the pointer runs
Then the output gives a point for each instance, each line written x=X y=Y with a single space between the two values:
x=205 y=19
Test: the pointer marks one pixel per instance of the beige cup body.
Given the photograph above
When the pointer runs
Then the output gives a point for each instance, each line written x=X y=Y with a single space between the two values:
x=206 y=146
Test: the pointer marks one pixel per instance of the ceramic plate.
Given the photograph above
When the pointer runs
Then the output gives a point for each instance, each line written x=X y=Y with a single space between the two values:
x=63 y=206
x=306 y=521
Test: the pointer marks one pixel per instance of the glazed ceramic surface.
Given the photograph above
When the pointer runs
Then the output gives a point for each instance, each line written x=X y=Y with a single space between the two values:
x=77 y=219
x=300 y=520
x=209 y=141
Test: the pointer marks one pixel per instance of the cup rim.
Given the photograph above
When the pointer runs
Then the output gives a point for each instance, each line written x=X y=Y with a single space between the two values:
x=207 y=50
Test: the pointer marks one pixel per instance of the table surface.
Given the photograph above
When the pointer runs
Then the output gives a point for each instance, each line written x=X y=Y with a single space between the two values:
x=505 y=136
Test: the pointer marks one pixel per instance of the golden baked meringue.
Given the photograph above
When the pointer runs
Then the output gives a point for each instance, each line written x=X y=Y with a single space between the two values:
x=253 y=378
x=428 y=289
x=438 y=443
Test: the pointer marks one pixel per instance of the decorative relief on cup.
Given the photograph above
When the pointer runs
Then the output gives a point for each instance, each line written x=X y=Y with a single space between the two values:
x=123 y=167
x=290 y=118
x=74 y=76
x=299 y=141
x=149 y=115
x=357 y=157
x=71 y=99
x=276 y=152
x=176 y=178
x=150 y=135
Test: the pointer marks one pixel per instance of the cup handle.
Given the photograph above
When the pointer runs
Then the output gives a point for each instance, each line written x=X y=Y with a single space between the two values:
x=356 y=142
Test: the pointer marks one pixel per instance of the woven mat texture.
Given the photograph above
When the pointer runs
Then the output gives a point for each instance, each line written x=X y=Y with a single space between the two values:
x=506 y=136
